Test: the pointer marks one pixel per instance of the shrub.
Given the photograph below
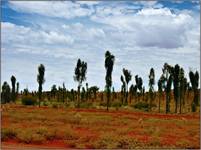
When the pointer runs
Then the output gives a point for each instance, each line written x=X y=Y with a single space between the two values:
x=143 y=106
x=37 y=139
x=55 y=105
x=32 y=136
x=42 y=131
x=45 y=103
x=116 y=104
x=8 y=133
x=86 y=105
x=104 y=104
x=25 y=136
x=29 y=100
x=106 y=142
x=70 y=135
x=65 y=133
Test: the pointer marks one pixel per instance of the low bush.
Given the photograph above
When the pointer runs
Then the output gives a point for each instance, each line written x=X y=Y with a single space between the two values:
x=141 y=105
x=116 y=104
x=45 y=103
x=32 y=136
x=25 y=136
x=37 y=139
x=55 y=105
x=8 y=133
x=86 y=105
x=116 y=142
x=104 y=104
x=29 y=100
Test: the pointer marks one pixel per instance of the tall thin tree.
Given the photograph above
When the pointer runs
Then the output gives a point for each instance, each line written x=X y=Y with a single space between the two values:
x=167 y=83
x=182 y=87
x=123 y=89
x=41 y=81
x=176 y=84
x=160 y=91
x=109 y=63
x=194 y=79
x=80 y=76
x=151 y=87
x=13 y=82
x=17 y=89
x=5 y=93
x=139 y=84
x=127 y=77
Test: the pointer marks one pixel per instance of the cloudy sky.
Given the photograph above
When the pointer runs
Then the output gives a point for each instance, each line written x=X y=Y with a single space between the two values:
x=140 y=34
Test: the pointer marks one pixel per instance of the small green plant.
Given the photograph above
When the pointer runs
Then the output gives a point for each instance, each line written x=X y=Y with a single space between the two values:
x=28 y=100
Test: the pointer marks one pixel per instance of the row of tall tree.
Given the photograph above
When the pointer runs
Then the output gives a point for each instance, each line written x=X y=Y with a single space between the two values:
x=172 y=76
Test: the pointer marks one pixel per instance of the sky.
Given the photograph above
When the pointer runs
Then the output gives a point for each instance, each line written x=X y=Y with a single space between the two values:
x=139 y=34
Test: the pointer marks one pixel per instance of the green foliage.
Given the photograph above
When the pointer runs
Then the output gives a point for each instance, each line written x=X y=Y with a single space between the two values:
x=45 y=103
x=80 y=76
x=176 y=73
x=13 y=94
x=143 y=106
x=139 y=83
x=5 y=93
x=53 y=90
x=151 y=85
x=194 y=79
x=29 y=100
x=166 y=79
x=127 y=78
x=94 y=90
x=41 y=80
x=109 y=63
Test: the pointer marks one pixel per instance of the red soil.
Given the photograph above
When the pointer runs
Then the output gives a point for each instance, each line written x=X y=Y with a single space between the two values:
x=14 y=144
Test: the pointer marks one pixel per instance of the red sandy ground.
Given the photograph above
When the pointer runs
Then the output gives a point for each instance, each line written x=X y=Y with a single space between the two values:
x=167 y=139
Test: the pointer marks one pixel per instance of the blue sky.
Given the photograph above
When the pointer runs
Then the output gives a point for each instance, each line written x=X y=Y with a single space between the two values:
x=140 y=34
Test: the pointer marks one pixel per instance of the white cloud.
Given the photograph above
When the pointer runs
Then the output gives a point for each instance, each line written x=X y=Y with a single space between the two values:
x=152 y=27
x=66 y=9
x=25 y=35
x=139 y=39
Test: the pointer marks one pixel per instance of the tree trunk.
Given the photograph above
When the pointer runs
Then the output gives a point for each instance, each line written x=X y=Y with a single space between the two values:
x=180 y=104
x=78 y=96
x=39 y=94
x=159 y=102
x=176 y=105
x=166 y=102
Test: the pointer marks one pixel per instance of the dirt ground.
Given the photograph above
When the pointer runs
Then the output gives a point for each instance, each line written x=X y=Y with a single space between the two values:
x=36 y=128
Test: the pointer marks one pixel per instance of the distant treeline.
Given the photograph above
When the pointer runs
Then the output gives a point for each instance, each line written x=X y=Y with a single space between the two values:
x=172 y=84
